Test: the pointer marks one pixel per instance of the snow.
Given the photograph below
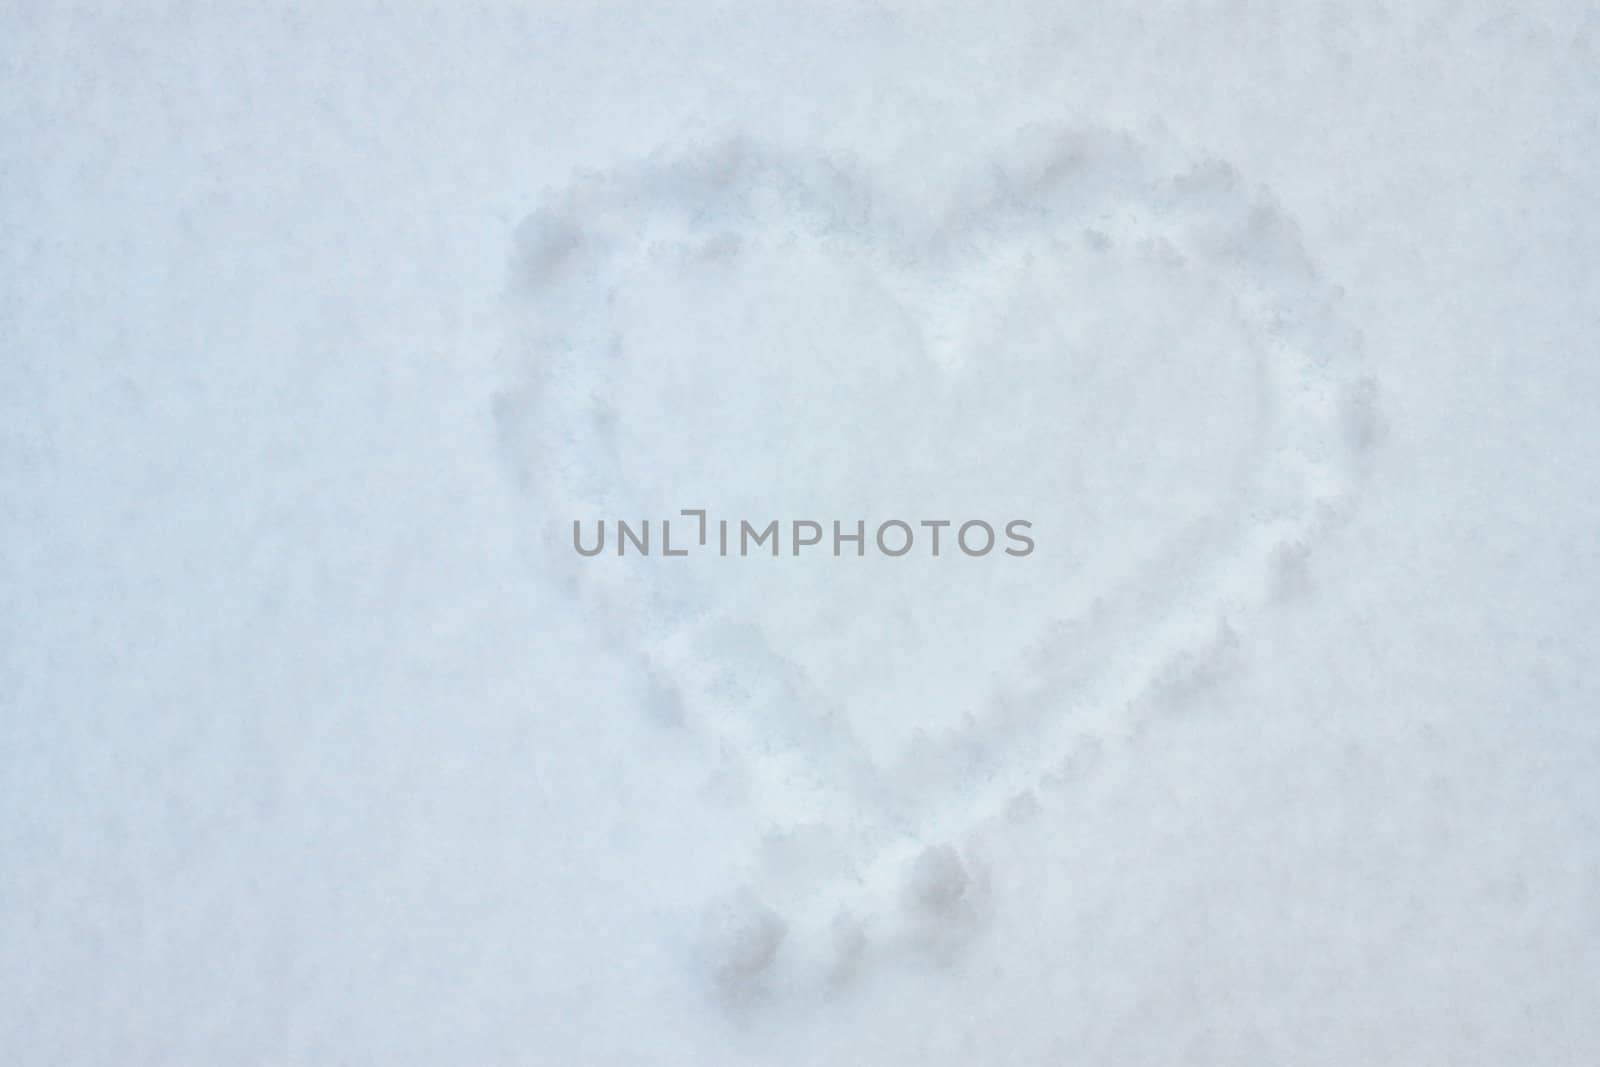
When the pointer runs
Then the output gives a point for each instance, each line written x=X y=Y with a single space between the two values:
x=319 y=743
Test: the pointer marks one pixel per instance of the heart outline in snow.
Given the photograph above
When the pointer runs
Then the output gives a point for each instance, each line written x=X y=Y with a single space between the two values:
x=1094 y=198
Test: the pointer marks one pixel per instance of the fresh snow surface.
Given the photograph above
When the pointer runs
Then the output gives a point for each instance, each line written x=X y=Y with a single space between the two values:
x=1279 y=324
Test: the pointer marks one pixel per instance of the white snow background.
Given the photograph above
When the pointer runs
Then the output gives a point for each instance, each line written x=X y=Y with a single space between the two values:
x=1282 y=322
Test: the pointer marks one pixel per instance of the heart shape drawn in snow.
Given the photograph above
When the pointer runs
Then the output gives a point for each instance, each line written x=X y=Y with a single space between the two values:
x=1130 y=352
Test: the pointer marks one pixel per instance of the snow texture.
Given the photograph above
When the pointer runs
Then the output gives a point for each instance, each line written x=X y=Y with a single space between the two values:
x=319 y=743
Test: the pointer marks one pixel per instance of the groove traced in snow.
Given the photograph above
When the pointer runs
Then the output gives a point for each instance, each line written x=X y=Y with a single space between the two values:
x=1127 y=349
